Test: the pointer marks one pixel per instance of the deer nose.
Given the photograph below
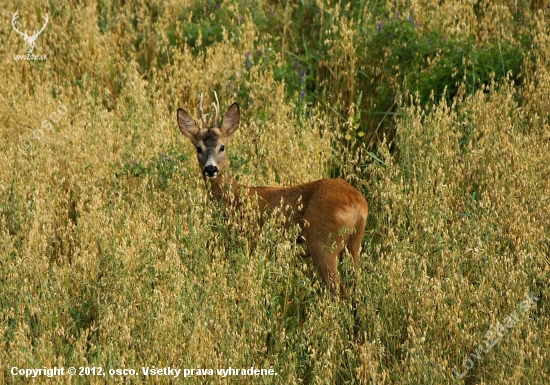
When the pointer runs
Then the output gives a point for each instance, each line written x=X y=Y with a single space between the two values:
x=210 y=171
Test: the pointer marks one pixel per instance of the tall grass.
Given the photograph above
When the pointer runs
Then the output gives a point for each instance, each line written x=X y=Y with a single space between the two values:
x=112 y=255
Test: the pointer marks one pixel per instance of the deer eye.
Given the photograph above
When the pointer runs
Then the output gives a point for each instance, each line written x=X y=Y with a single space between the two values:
x=199 y=150
x=222 y=148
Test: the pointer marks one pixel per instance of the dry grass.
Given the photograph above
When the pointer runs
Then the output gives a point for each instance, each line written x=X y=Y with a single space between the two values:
x=112 y=255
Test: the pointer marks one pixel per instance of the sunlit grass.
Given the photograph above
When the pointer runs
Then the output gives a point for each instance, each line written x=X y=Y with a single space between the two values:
x=112 y=254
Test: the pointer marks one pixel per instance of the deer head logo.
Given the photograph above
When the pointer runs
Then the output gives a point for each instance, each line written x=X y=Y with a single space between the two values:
x=28 y=39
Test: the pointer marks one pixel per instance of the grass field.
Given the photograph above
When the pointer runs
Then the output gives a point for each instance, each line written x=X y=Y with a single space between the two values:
x=113 y=257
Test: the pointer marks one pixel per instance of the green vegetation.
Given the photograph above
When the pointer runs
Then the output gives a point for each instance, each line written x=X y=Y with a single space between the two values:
x=112 y=255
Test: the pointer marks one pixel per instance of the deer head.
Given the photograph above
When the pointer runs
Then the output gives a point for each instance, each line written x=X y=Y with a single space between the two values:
x=210 y=141
x=30 y=40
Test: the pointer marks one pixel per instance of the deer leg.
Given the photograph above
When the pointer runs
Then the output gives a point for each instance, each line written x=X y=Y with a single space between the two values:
x=325 y=259
x=354 y=246
x=355 y=239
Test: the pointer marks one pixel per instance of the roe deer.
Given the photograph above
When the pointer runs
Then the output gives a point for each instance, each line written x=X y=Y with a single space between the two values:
x=331 y=214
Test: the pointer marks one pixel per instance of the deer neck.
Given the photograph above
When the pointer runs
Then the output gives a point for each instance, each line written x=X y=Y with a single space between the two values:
x=224 y=189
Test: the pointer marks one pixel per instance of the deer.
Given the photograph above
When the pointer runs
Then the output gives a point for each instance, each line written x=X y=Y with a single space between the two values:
x=330 y=213
x=30 y=40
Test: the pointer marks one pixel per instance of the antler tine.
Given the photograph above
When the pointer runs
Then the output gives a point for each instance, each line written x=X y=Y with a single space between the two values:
x=13 y=20
x=203 y=122
x=45 y=24
x=217 y=109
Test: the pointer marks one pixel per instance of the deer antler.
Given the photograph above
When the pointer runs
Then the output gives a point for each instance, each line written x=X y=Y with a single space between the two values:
x=28 y=39
x=217 y=109
x=203 y=122
x=44 y=26
x=13 y=20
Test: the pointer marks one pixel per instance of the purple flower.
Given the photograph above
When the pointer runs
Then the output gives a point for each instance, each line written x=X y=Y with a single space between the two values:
x=247 y=61
x=379 y=24
x=410 y=18
x=302 y=94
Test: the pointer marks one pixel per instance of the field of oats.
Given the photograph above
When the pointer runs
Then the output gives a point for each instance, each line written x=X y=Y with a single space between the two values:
x=113 y=256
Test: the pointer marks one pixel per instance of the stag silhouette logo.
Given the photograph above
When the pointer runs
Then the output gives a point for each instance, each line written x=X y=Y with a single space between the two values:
x=30 y=40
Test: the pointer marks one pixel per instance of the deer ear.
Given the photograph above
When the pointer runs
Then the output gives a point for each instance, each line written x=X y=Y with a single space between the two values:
x=230 y=120
x=187 y=125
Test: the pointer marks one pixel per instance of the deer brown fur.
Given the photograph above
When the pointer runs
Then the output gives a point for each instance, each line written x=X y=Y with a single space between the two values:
x=331 y=213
